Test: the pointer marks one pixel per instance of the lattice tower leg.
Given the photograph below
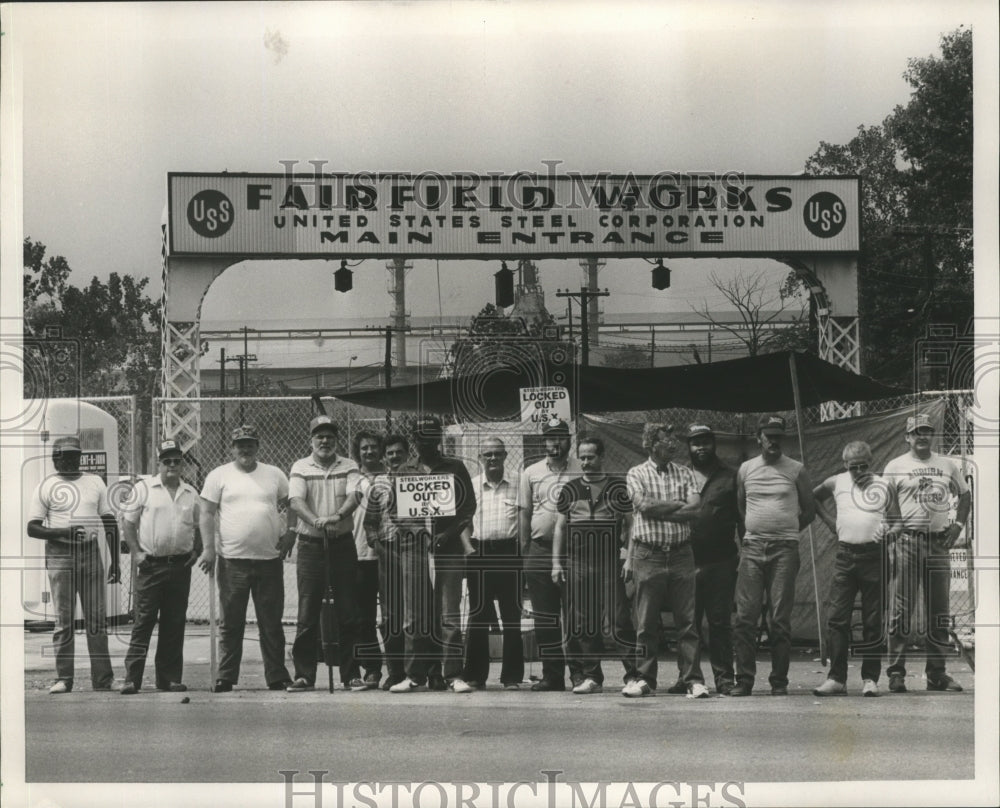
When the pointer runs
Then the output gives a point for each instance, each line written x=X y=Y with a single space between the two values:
x=181 y=379
x=840 y=344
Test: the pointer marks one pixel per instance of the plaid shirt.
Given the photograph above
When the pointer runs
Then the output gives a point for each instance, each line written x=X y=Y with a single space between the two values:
x=672 y=482
x=496 y=515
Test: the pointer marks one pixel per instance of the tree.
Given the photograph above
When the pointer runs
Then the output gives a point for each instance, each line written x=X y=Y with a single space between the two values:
x=915 y=266
x=109 y=333
x=497 y=340
x=626 y=356
x=759 y=309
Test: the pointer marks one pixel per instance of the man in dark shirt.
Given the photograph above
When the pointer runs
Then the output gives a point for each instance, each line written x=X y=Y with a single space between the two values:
x=713 y=539
x=450 y=543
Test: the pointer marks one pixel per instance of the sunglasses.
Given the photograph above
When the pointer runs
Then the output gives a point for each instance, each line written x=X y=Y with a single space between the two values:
x=172 y=461
x=858 y=467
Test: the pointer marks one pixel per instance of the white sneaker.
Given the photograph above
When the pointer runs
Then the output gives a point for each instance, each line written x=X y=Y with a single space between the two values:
x=588 y=686
x=869 y=688
x=60 y=687
x=406 y=686
x=697 y=691
x=831 y=687
x=636 y=689
x=461 y=686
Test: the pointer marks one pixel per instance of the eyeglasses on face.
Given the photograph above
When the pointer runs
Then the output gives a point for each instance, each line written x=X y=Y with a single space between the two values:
x=172 y=461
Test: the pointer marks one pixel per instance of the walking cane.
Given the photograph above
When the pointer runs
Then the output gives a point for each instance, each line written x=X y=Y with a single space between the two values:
x=328 y=616
x=212 y=660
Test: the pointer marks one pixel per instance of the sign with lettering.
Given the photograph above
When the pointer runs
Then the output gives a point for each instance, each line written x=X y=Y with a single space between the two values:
x=425 y=495
x=570 y=215
x=541 y=404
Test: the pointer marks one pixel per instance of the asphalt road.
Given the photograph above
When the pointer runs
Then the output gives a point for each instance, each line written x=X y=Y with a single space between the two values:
x=249 y=736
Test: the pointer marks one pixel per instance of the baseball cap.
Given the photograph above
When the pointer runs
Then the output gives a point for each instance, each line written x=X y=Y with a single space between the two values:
x=70 y=443
x=555 y=426
x=321 y=421
x=427 y=427
x=168 y=448
x=915 y=422
x=694 y=430
x=771 y=425
x=245 y=432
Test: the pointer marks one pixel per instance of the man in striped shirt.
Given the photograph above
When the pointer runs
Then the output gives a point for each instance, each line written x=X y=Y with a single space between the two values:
x=318 y=488
x=665 y=500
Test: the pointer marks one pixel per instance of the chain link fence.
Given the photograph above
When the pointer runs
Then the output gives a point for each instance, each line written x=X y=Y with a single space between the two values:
x=283 y=425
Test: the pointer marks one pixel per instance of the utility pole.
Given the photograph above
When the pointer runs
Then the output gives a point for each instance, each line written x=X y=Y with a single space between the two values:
x=584 y=295
x=652 y=346
x=388 y=375
x=222 y=404
x=243 y=359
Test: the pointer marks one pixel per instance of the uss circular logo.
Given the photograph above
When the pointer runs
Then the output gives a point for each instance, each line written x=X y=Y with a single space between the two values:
x=825 y=214
x=210 y=213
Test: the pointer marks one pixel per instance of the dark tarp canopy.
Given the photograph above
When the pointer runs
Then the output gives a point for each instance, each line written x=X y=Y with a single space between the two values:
x=752 y=384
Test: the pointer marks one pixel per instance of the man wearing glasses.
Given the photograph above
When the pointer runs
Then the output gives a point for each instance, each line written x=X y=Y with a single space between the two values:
x=862 y=502
x=492 y=570
x=923 y=483
x=161 y=530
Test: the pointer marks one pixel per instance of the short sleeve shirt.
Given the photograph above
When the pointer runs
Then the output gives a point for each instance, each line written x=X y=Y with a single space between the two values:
x=60 y=502
x=672 y=482
x=324 y=489
x=249 y=522
x=166 y=524
x=923 y=489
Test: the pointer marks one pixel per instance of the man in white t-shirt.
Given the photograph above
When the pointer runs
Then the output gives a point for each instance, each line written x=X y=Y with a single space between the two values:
x=68 y=511
x=923 y=484
x=251 y=543
x=863 y=502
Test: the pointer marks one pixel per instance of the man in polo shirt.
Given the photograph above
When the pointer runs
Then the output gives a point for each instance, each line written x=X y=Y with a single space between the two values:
x=492 y=571
x=321 y=493
x=923 y=483
x=161 y=530
x=594 y=511
x=253 y=539
x=536 y=529
x=713 y=540
x=68 y=511
x=862 y=502
x=775 y=498
x=665 y=501
x=449 y=548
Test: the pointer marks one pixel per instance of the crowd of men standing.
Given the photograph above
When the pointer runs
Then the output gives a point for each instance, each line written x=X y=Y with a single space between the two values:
x=590 y=546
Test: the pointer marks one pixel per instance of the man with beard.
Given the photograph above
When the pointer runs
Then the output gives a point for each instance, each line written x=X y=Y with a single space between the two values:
x=665 y=501
x=923 y=483
x=253 y=540
x=775 y=500
x=68 y=511
x=862 y=501
x=366 y=449
x=540 y=483
x=713 y=540
x=161 y=530
x=321 y=492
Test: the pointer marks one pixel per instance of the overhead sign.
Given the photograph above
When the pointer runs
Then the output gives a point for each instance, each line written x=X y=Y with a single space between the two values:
x=465 y=215
x=542 y=404
x=425 y=495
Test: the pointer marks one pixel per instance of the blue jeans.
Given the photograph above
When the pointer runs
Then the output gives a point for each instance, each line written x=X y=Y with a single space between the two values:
x=771 y=566
x=449 y=572
x=161 y=594
x=390 y=587
x=715 y=587
x=420 y=652
x=547 y=602
x=857 y=568
x=77 y=569
x=918 y=561
x=239 y=579
x=310 y=577
x=665 y=578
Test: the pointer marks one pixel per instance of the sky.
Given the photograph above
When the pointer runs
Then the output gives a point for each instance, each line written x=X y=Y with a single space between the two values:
x=114 y=96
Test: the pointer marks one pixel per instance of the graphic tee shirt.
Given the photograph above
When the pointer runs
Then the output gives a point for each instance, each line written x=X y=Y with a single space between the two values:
x=249 y=522
x=923 y=489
